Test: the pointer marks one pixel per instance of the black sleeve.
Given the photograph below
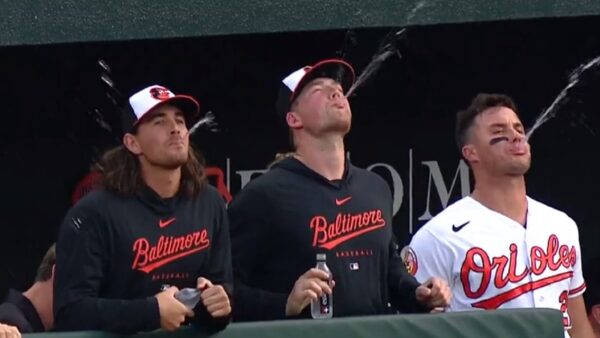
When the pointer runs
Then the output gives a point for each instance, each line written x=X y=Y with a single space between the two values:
x=83 y=251
x=402 y=285
x=219 y=270
x=10 y=314
x=247 y=217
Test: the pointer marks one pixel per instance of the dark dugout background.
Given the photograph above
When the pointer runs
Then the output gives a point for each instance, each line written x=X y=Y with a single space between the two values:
x=403 y=117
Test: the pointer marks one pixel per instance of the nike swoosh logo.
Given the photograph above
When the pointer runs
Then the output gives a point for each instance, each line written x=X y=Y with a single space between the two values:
x=457 y=228
x=342 y=201
x=162 y=224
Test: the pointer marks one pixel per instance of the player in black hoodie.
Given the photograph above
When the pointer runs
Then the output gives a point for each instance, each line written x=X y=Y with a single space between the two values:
x=317 y=202
x=155 y=222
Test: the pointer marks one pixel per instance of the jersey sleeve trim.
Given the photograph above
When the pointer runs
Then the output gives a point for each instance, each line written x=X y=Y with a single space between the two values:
x=577 y=291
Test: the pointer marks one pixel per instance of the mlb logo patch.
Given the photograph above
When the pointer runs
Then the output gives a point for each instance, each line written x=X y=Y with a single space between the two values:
x=354 y=266
x=409 y=257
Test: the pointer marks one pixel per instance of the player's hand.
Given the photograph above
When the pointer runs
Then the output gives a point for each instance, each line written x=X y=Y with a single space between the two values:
x=214 y=298
x=434 y=293
x=310 y=286
x=172 y=311
x=8 y=331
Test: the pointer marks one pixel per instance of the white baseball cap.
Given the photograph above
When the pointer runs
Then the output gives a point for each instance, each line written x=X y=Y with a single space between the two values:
x=150 y=97
x=292 y=85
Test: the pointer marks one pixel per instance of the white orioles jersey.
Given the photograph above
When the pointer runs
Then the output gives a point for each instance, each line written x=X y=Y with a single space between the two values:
x=492 y=262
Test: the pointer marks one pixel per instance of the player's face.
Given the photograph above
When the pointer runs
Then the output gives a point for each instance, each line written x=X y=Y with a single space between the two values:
x=498 y=144
x=322 y=108
x=163 y=137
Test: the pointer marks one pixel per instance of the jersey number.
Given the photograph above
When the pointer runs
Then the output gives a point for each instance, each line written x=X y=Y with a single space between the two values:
x=563 y=298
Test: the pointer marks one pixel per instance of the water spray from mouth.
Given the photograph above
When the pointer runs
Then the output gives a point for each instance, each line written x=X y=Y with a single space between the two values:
x=207 y=122
x=413 y=12
x=388 y=48
x=562 y=98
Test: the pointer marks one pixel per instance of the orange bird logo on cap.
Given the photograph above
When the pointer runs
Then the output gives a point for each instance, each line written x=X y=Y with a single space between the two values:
x=159 y=93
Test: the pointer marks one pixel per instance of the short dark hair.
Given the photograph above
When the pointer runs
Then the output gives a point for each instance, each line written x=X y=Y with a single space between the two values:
x=44 y=271
x=480 y=103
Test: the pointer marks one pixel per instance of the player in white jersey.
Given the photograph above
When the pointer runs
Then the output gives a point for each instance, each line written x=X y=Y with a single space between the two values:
x=499 y=248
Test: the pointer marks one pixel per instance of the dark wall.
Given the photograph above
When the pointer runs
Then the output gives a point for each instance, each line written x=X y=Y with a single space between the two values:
x=403 y=117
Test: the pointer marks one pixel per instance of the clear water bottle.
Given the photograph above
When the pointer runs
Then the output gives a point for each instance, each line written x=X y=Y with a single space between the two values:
x=322 y=307
x=189 y=297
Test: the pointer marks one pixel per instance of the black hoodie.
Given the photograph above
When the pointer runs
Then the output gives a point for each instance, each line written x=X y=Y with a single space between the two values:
x=279 y=222
x=114 y=254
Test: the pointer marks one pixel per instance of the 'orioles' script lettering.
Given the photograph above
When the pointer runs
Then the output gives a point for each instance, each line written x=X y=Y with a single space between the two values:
x=168 y=248
x=502 y=270
x=346 y=226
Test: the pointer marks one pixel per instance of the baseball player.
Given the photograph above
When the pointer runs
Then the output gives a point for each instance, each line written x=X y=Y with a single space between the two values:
x=316 y=201
x=499 y=248
x=31 y=311
x=155 y=223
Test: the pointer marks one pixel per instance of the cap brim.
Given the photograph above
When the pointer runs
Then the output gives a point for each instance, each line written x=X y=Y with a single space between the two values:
x=188 y=105
x=335 y=69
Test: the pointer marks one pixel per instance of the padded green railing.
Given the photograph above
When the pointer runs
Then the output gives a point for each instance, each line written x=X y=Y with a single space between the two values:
x=25 y=22
x=521 y=323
